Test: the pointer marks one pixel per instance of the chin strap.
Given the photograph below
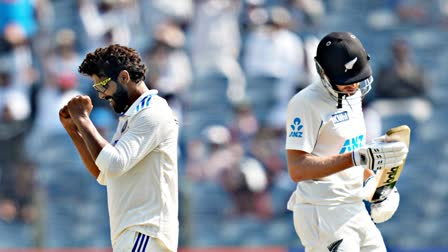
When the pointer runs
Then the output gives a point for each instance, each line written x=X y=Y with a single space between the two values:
x=340 y=97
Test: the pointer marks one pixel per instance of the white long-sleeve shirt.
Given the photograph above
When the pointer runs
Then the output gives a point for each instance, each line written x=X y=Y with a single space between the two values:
x=140 y=171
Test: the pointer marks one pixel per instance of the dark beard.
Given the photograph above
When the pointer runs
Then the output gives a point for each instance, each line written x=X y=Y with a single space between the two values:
x=120 y=99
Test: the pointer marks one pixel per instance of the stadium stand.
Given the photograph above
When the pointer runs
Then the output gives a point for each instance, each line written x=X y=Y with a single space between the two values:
x=70 y=209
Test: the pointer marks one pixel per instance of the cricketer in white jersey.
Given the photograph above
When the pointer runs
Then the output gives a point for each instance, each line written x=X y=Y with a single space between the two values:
x=330 y=210
x=139 y=166
x=140 y=171
x=325 y=133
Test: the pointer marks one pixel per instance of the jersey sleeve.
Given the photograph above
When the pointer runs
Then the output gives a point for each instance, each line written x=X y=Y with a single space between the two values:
x=101 y=179
x=302 y=125
x=143 y=135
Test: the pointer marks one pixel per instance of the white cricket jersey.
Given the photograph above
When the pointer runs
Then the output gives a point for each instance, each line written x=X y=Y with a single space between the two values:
x=315 y=125
x=139 y=169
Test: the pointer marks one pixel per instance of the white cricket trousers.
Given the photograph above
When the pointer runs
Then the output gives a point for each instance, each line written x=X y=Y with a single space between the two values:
x=342 y=228
x=131 y=241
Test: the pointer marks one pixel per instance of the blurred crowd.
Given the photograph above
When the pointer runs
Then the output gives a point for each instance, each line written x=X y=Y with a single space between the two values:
x=227 y=67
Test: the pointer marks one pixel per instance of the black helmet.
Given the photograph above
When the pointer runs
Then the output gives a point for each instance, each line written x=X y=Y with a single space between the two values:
x=343 y=58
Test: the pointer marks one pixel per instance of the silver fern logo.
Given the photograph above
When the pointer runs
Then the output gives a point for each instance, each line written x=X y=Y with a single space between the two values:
x=333 y=247
x=349 y=65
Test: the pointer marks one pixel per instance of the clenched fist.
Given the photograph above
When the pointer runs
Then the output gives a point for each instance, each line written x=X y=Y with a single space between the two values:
x=79 y=106
x=66 y=120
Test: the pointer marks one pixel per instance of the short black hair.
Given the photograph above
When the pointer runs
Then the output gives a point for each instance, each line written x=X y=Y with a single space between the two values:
x=111 y=60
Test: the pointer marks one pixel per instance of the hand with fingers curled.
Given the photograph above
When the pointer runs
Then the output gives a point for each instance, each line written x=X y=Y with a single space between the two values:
x=66 y=120
x=79 y=107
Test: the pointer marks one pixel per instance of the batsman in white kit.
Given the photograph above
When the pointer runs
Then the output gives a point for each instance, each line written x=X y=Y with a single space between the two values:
x=329 y=158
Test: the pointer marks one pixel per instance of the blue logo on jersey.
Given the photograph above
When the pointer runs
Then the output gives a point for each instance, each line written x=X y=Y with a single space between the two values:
x=352 y=144
x=340 y=117
x=296 y=128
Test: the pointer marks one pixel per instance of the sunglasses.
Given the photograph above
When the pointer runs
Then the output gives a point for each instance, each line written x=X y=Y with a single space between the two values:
x=101 y=86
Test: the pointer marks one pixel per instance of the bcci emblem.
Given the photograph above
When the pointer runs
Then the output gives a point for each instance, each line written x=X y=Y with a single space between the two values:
x=296 y=128
x=124 y=126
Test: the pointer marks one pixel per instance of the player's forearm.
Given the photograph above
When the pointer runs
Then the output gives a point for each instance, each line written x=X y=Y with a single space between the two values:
x=309 y=166
x=91 y=137
x=84 y=154
x=367 y=174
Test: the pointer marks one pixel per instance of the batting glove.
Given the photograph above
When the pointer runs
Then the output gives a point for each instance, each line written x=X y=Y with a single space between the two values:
x=384 y=210
x=379 y=155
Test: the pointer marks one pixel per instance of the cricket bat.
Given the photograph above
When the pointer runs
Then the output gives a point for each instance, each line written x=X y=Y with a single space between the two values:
x=387 y=178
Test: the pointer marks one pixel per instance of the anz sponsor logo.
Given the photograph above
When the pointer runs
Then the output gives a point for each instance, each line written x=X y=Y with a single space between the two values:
x=340 y=117
x=352 y=144
x=296 y=128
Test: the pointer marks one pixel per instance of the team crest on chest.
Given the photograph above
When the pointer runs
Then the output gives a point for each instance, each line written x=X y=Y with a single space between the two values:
x=124 y=126
x=123 y=129
x=340 y=117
